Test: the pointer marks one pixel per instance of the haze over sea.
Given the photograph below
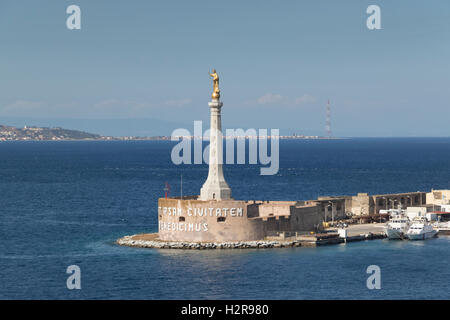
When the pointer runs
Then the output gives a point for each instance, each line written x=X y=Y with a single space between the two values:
x=65 y=203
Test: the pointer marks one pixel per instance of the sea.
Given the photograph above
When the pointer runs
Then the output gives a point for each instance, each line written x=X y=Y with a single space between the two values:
x=66 y=203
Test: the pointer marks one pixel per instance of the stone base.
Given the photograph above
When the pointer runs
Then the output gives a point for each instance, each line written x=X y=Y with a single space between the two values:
x=207 y=221
x=215 y=193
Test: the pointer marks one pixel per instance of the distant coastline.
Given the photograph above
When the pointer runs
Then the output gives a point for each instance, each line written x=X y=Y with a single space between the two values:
x=33 y=133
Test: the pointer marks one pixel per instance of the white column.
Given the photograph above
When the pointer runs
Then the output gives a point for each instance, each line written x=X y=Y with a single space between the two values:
x=215 y=186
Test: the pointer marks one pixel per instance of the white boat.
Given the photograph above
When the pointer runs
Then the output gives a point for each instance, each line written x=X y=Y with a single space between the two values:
x=397 y=226
x=442 y=227
x=420 y=229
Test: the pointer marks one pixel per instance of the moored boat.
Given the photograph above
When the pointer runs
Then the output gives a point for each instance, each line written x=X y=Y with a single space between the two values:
x=420 y=229
x=397 y=226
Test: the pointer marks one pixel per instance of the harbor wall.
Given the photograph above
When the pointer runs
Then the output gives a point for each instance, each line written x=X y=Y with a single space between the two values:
x=281 y=216
x=364 y=204
x=192 y=220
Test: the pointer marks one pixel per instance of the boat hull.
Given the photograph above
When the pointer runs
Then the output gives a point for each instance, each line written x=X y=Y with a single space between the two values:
x=422 y=236
x=394 y=234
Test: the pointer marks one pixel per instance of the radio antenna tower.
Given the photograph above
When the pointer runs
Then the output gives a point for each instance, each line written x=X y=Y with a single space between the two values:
x=328 y=121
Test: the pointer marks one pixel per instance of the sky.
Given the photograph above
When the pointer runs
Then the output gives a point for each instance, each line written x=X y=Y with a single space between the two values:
x=141 y=67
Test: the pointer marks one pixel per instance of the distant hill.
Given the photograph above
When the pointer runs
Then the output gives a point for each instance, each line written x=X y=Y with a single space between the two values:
x=36 y=133
x=144 y=127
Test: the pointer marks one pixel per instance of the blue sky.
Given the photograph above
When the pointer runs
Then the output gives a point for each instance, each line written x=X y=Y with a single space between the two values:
x=279 y=62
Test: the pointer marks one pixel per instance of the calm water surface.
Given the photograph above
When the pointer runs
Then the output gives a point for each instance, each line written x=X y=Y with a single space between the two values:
x=64 y=203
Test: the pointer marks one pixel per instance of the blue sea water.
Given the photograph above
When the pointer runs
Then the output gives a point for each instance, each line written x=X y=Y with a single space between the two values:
x=65 y=203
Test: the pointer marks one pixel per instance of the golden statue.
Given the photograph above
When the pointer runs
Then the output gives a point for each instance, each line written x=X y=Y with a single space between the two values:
x=216 y=90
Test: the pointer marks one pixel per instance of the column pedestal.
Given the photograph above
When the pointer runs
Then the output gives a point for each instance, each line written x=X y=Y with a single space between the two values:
x=215 y=186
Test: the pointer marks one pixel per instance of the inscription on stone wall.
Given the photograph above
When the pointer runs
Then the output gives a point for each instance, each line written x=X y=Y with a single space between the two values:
x=194 y=212
x=183 y=226
x=201 y=212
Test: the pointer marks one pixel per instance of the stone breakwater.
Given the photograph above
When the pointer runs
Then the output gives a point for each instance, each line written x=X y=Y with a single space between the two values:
x=150 y=240
x=131 y=242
